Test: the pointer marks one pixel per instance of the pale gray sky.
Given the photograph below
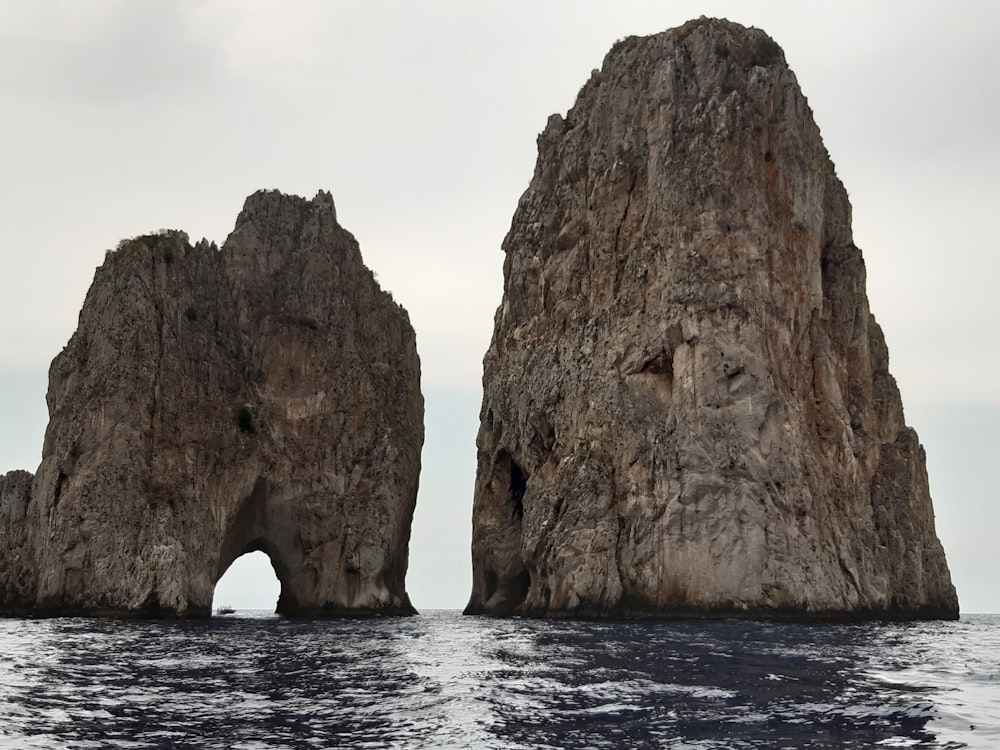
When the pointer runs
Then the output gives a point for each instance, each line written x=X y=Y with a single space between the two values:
x=121 y=117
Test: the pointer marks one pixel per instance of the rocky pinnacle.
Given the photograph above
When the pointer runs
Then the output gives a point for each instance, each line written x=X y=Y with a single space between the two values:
x=687 y=404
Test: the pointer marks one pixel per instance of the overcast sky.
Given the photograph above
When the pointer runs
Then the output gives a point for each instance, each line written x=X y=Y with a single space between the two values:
x=120 y=117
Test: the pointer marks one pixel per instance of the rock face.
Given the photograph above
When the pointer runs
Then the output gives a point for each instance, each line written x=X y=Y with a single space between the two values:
x=687 y=407
x=16 y=570
x=264 y=396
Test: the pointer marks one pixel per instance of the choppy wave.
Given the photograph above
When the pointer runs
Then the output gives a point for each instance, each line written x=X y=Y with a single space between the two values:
x=258 y=682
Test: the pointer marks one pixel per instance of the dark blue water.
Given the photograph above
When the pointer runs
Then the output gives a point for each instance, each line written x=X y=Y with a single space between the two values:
x=440 y=680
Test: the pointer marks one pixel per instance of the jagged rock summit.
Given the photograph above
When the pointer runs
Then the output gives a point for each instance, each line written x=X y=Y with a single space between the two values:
x=687 y=403
x=261 y=396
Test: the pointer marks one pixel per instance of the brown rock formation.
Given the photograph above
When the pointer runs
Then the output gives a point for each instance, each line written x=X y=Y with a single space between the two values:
x=688 y=408
x=16 y=568
x=264 y=396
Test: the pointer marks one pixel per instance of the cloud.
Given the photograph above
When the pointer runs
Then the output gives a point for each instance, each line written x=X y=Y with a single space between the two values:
x=106 y=52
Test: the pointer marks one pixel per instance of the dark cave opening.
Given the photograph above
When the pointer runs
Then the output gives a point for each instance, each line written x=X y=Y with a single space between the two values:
x=518 y=486
x=519 y=586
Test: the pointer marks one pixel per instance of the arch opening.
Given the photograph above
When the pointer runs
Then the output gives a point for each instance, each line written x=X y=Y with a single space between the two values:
x=250 y=582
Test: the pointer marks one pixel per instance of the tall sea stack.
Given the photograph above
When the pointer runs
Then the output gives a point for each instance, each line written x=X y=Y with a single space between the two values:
x=687 y=404
x=264 y=396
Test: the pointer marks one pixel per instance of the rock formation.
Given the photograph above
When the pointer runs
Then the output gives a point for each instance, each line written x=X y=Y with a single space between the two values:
x=687 y=406
x=264 y=396
x=16 y=576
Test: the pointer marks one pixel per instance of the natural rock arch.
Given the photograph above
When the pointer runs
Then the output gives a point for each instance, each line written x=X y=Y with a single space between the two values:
x=237 y=568
x=265 y=394
x=250 y=530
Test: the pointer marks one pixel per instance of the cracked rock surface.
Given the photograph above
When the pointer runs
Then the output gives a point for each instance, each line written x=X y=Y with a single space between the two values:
x=212 y=402
x=687 y=404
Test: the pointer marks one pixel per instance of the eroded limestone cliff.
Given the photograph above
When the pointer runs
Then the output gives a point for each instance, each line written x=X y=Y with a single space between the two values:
x=688 y=408
x=261 y=396
x=17 y=589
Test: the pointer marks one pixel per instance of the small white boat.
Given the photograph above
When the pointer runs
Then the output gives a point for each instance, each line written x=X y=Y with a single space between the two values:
x=225 y=609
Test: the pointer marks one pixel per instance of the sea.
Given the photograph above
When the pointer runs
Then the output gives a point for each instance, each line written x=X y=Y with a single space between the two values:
x=254 y=681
